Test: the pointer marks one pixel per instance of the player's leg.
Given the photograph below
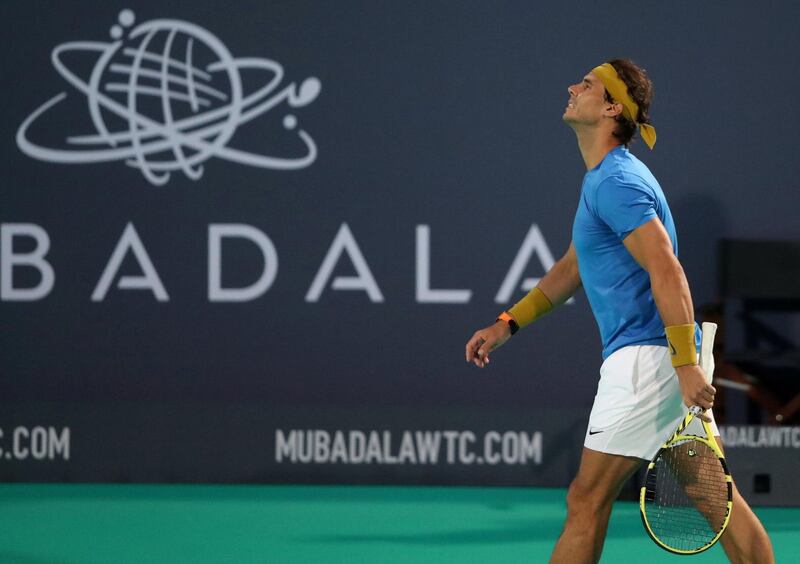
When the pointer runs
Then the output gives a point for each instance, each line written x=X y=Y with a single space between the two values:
x=591 y=495
x=745 y=540
x=624 y=424
x=692 y=466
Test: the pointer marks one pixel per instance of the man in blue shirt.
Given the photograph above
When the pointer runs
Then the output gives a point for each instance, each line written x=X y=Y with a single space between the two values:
x=624 y=253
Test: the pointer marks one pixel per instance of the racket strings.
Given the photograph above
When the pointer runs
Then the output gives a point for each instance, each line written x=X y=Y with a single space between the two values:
x=686 y=495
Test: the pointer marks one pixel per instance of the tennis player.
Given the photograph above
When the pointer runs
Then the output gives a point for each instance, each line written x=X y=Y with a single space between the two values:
x=624 y=253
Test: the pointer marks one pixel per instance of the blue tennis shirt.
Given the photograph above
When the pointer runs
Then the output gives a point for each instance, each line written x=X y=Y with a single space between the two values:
x=617 y=196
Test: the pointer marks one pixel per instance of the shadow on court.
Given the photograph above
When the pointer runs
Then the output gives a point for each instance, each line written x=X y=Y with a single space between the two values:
x=513 y=532
x=20 y=558
x=625 y=524
x=500 y=498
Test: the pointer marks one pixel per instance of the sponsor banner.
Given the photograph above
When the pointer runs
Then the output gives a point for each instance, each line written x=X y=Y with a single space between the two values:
x=760 y=436
x=354 y=446
x=203 y=100
x=201 y=443
x=764 y=461
x=251 y=244
x=34 y=443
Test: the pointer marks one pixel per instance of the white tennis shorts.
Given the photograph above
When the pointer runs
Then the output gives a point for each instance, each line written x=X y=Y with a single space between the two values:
x=638 y=403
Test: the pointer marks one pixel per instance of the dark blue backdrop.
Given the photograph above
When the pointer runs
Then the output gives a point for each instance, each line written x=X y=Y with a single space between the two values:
x=446 y=115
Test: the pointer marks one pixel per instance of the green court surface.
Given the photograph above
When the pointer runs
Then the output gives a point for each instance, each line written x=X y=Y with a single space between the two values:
x=94 y=524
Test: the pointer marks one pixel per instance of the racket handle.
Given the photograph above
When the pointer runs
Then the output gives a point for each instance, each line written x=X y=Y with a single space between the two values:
x=707 y=350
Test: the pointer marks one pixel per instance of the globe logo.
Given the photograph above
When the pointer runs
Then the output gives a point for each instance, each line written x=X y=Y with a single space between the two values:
x=167 y=98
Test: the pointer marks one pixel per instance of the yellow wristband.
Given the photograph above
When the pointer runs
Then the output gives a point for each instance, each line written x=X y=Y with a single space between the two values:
x=531 y=307
x=680 y=339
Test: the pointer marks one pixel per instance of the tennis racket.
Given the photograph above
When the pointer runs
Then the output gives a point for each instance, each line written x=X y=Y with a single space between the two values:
x=686 y=498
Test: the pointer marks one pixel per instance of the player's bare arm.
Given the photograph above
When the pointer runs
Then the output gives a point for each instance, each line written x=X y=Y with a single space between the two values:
x=563 y=280
x=651 y=247
x=558 y=285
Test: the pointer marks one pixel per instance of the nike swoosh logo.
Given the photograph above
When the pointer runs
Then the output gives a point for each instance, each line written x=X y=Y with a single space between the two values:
x=591 y=432
x=672 y=350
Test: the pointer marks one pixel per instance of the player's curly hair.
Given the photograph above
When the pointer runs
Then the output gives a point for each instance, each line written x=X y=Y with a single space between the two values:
x=640 y=89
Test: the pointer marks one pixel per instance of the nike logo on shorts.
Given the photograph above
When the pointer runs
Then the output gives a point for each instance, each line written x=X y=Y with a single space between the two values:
x=593 y=432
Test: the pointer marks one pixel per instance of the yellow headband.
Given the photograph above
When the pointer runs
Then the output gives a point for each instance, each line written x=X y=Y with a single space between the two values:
x=619 y=91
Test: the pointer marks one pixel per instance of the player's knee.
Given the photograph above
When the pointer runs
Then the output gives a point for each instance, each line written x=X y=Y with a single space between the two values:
x=583 y=501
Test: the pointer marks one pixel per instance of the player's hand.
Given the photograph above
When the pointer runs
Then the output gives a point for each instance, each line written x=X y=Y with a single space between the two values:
x=695 y=390
x=485 y=341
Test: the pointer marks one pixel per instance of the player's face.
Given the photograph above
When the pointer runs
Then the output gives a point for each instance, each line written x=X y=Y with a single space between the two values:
x=586 y=101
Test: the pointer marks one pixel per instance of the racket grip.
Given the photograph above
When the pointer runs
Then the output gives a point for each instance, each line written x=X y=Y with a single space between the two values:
x=707 y=350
